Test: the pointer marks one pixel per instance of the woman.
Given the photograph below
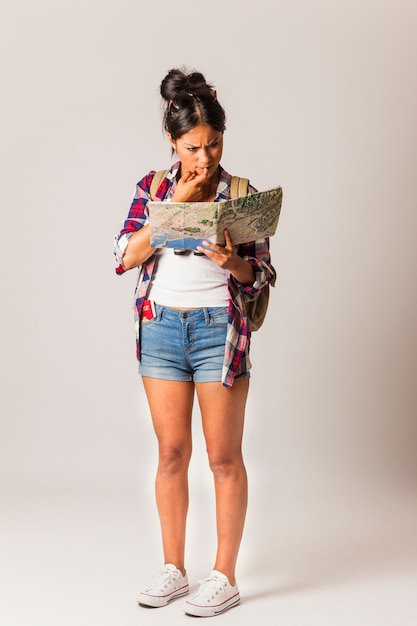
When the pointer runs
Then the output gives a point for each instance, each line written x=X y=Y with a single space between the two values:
x=193 y=337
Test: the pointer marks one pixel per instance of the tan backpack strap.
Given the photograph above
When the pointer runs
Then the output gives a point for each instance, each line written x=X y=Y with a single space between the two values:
x=156 y=181
x=239 y=187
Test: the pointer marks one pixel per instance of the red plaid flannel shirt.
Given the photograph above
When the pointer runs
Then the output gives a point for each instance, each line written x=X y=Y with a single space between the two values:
x=256 y=252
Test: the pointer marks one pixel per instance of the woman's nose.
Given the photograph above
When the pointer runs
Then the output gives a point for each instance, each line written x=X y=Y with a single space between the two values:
x=204 y=157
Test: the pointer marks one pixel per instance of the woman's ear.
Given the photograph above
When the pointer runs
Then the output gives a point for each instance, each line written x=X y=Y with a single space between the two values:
x=171 y=141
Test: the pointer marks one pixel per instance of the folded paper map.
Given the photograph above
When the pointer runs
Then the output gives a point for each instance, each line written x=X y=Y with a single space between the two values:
x=187 y=224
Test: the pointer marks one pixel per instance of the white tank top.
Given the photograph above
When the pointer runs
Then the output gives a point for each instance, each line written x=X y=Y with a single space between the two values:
x=187 y=280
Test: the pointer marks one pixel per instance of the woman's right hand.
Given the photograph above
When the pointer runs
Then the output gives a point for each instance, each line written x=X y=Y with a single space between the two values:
x=193 y=186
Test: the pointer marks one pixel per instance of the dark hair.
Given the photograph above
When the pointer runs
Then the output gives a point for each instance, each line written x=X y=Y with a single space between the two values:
x=188 y=101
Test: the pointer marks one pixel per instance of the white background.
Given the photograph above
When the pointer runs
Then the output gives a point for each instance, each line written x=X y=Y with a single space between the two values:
x=321 y=98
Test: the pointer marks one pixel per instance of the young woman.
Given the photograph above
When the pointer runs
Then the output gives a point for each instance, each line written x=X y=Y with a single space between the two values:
x=193 y=337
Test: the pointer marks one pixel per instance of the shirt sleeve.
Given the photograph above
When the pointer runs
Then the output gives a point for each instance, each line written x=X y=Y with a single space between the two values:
x=137 y=218
x=258 y=255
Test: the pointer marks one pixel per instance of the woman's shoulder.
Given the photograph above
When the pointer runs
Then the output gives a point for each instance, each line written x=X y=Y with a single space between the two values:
x=226 y=181
x=164 y=177
x=169 y=173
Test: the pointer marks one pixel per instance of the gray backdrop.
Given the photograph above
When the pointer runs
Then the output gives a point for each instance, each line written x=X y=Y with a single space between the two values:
x=321 y=98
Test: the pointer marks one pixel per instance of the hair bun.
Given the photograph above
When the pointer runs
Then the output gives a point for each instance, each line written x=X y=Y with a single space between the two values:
x=197 y=81
x=189 y=101
x=180 y=81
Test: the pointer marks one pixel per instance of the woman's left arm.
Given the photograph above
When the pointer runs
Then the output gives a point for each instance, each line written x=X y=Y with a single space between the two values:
x=257 y=254
x=227 y=258
x=249 y=263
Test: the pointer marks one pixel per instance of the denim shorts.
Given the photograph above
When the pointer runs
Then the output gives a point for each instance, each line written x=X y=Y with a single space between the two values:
x=184 y=345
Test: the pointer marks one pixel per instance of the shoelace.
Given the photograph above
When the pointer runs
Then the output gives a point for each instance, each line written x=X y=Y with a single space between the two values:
x=210 y=587
x=162 y=579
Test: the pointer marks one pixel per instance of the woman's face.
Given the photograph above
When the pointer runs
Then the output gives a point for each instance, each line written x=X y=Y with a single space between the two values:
x=199 y=149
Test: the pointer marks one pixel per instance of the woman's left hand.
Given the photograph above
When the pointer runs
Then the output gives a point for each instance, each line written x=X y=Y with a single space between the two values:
x=227 y=258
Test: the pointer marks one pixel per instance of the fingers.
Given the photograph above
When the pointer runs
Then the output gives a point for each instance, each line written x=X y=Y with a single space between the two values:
x=225 y=250
x=198 y=175
x=204 y=173
x=221 y=255
x=191 y=186
x=187 y=176
x=228 y=239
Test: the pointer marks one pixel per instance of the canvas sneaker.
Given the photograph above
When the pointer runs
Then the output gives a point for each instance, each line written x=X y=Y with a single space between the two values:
x=166 y=585
x=214 y=596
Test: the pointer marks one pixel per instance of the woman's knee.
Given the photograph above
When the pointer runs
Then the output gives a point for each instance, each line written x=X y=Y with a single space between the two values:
x=225 y=465
x=173 y=460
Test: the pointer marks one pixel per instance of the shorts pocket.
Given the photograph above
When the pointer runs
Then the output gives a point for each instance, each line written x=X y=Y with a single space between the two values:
x=219 y=317
x=151 y=313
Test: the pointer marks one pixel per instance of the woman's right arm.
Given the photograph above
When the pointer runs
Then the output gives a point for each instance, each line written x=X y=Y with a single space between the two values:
x=132 y=244
x=138 y=249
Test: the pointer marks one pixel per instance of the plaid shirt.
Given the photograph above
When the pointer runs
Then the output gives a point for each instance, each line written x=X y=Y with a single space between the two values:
x=256 y=253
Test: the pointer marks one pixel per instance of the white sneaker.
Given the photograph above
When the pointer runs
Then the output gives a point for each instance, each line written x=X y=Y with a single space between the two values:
x=214 y=596
x=166 y=585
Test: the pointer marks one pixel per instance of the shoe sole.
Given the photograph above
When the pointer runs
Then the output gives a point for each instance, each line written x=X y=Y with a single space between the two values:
x=155 y=605
x=197 y=611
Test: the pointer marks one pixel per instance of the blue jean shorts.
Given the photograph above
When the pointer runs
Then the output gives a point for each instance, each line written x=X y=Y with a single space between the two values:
x=184 y=345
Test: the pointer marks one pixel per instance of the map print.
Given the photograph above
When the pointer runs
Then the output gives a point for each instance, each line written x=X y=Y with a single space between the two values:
x=187 y=224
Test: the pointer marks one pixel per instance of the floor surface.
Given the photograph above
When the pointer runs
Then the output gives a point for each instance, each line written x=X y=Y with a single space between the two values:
x=78 y=558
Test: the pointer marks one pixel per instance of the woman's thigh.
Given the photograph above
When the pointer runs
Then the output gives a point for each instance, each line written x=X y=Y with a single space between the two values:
x=223 y=416
x=171 y=405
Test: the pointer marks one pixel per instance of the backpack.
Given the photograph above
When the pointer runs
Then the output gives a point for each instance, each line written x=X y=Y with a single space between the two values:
x=256 y=309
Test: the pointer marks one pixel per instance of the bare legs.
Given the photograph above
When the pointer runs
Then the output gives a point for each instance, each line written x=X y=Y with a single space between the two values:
x=171 y=405
x=222 y=413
